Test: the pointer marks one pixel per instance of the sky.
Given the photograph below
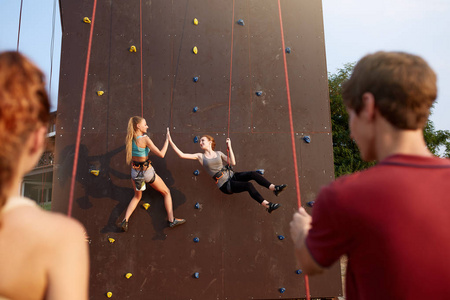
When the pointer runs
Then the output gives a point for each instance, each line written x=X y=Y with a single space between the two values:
x=352 y=29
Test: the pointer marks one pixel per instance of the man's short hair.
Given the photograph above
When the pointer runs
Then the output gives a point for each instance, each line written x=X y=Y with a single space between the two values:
x=404 y=87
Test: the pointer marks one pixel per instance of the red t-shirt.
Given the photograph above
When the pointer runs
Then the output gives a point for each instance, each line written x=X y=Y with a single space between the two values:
x=393 y=223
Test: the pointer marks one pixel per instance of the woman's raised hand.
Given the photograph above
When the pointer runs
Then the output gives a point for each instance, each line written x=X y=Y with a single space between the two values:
x=228 y=141
x=168 y=134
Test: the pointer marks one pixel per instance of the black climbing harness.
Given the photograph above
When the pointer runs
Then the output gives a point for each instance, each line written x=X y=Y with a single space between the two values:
x=226 y=169
x=141 y=167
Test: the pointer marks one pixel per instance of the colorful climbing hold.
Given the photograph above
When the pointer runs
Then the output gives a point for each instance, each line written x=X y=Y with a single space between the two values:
x=128 y=275
x=195 y=21
x=196 y=172
x=288 y=50
x=197 y=205
x=260 y=171
x=195 y=79
x=307 y=139
x=196 y=240
x=196 y=275
x=146 y=205
x=195 y=109
x=258 y=93
x=280 y=237
x=310 y=203
x=241 y=22
x=299 y=271
x=195 y=50
x=86 y=20
x=99 y=93
x=109 y=294
x=94 y=172
x=282 y=290
x=111 y=240
x=196 y=139
x=133 y=49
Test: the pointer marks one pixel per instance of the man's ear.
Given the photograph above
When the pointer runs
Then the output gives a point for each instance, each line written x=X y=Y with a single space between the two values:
x=369 y=108
x=37 y=140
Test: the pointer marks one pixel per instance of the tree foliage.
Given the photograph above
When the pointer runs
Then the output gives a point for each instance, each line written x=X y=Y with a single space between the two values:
x=346 y=155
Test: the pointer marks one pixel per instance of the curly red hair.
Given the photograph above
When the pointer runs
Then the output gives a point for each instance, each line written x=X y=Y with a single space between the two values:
x=24 y=107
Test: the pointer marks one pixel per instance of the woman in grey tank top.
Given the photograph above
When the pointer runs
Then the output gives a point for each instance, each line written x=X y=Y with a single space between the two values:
x=227 y=181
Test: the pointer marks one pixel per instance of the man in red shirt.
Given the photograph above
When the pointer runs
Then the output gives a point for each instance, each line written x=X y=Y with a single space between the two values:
x=392 y=220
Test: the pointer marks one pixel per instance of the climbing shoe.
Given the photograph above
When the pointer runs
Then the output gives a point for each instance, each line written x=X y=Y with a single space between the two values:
x=279 y=189
x=176 y=222
x=124 y=225
x=272 y=207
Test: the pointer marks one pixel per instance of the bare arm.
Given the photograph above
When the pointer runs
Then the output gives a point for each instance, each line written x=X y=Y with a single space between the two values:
x=232 y=158
x=68 y=273
x=300 y=225
x=196 y=156
x=161 y=153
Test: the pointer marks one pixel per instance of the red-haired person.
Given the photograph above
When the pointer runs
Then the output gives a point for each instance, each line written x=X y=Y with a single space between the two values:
x=43 y=255
x=138 y=147
x=226 y=179
x=392 y=220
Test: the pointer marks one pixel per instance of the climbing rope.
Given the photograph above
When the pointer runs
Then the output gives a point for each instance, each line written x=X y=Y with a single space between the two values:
x=52 y=48
x=80 y=119
x=20 y=22
x=229 y=92
x=142 y=78
x=294 y=152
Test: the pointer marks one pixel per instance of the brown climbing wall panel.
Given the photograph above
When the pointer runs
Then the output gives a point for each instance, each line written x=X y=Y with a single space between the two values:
x=239 y=255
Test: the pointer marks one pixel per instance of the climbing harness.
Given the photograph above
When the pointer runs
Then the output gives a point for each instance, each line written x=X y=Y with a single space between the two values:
x=141 y=167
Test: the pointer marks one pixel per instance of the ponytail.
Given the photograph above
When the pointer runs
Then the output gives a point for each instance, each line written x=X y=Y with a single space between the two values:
x=131 y=135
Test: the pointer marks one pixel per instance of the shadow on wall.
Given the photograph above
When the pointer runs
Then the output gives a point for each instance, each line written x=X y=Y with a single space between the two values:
x=101 y=186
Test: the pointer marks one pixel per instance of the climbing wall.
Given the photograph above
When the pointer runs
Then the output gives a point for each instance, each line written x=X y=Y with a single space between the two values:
x=266 y=90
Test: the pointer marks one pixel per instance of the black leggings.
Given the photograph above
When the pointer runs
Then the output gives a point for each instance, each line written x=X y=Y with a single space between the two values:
x=239 y=183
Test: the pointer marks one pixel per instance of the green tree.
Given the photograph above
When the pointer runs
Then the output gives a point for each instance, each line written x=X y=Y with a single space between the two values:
x=346 y=155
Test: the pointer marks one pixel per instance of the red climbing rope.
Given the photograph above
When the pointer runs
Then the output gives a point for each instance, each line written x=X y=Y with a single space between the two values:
x=231 y=75
x=80 y=119
x=142 y=79
x=294 y=152
x=231 y=72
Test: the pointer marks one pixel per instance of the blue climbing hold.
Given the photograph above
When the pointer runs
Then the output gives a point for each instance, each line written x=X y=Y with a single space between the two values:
x=299 y=271
x=260 y=171
x=241 y=22
x=258 y=93
x=196 y=275
x=197 y=205
x=196 y=139
x=196 y=172
x=280 y=237
x=310 y=203
x=196 y=240
x=307 y=139
x=282 y=290
x=288 y=50
x=195 y=109
x=195 y=79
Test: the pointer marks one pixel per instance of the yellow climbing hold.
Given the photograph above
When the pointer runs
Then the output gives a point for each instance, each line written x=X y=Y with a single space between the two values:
x=128 y=275
x=195 y=21
x=133 y=49
x=111 y=240
x=195 y=50
x=146 y=205
x=99 y=93
x=86 y=20
x=109 y=294
x=95 y=172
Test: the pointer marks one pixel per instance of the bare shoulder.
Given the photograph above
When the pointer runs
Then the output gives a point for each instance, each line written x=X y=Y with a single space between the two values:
x=48 y=225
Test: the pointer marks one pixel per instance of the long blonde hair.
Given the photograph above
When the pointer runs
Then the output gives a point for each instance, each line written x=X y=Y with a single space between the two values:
x=131 y=135
x=24 y=107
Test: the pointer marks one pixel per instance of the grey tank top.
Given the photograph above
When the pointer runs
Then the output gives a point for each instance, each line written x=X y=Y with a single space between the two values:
x=214 y=165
